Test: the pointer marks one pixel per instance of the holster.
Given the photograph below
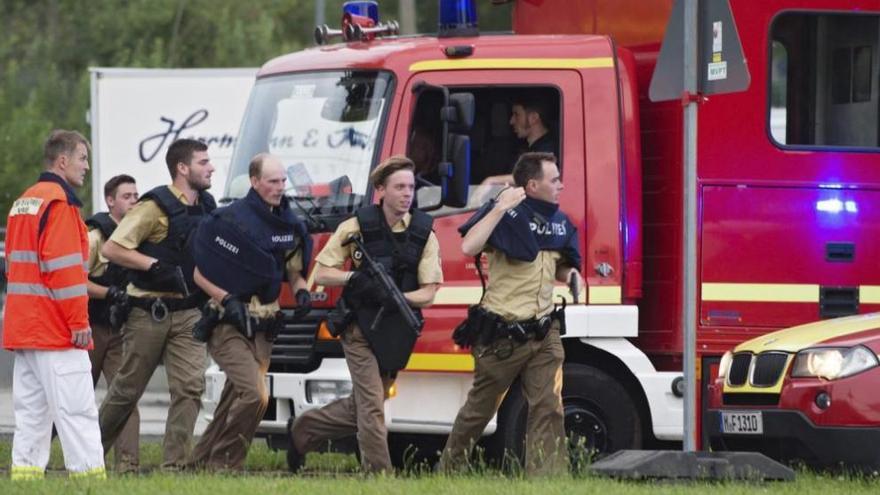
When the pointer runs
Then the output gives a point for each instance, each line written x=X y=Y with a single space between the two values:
x=478 y=328
x=204 y=328
x=274 y=326
x=340 y=317
x=117 y=314
x=558 y=314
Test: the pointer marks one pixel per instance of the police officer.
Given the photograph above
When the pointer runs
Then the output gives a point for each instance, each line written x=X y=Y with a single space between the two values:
x=407 y=247
x=529 y=244
x=242 y=253
x=106 y=287
x=152 y=242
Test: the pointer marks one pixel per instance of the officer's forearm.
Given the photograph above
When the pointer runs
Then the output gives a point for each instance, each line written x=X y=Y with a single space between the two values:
x=330 y=276
x=423 y=296
x=476 y=238
x=216 y=293
x=126 y=258
x=96 y=291
x=297 y=281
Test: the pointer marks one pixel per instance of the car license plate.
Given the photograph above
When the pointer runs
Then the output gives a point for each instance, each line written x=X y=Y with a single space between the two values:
x=742 y=422
x=268 y=381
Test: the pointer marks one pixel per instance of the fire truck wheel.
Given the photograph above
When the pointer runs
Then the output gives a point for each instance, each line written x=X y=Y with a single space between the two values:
x=600 y=417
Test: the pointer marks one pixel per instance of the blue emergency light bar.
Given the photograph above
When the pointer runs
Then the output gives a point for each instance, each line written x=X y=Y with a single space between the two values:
x=369 y=8
x=457 y=18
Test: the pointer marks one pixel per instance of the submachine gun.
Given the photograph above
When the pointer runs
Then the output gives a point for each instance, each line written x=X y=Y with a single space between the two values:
x=391 y=328
x=391 y=295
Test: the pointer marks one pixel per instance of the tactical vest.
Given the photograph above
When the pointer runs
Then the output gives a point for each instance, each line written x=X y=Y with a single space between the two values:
x=398 y=252
x=174 y=249
x=241 y=247
x=113 y=275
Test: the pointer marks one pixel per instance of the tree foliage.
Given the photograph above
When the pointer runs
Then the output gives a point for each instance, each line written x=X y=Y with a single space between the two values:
x=48 y=45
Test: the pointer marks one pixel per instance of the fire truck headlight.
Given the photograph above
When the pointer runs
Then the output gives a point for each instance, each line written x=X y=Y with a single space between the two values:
x=724 y=366
x=322 y=392
x=832 y=363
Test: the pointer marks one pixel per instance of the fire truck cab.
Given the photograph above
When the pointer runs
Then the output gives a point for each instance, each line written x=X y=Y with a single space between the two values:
x=786 y=170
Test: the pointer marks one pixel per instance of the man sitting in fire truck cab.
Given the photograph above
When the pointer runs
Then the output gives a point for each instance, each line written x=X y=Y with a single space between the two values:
x=529 y=118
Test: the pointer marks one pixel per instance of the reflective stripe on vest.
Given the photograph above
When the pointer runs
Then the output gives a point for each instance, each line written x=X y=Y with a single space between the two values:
x=41 y=290
x=51 y=265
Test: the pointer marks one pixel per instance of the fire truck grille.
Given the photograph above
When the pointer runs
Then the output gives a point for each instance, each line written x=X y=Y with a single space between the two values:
x=768 y=368
x=739 y=369
x=296 y=349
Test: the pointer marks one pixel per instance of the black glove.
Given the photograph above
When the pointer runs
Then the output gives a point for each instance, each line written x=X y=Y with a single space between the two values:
x=235 y=312
x=303 y=303
x=116 y=295
x=163 y=274
x=362 y=287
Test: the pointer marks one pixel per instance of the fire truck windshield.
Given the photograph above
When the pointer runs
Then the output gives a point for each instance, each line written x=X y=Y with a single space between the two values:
x=324 y=127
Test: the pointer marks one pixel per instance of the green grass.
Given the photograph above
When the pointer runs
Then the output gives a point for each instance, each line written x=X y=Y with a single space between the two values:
x=806 y=484
x=331 y=474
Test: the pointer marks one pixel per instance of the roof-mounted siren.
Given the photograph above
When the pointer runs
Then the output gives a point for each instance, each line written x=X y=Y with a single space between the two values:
x=457 y=18
x=360 y=22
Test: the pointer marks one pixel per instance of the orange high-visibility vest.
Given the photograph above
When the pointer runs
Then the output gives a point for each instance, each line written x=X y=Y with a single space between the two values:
x=46 y=298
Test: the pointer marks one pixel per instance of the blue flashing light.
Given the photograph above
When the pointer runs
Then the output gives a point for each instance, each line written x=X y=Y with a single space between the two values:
x=457 y=18
x=368 y=8
x=836 y=206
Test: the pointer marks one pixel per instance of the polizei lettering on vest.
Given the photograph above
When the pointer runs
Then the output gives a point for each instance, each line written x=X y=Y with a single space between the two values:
x=282 y=238
x=226 y=244
x=548 y=228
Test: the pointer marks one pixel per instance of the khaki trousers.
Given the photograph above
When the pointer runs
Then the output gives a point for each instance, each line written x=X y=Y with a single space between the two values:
x=106 y=358
x=538 y=364
x=242 y=404
x=145 y=343
x=362 y=413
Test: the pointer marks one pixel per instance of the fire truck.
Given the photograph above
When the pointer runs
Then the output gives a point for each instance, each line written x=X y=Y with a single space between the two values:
x=787 y=171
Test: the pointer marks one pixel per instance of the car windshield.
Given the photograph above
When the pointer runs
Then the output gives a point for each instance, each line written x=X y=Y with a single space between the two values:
x=324 y=126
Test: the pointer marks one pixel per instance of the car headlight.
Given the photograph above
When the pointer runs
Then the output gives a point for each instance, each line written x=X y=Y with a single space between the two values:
x=833 y=362
x=724 y=366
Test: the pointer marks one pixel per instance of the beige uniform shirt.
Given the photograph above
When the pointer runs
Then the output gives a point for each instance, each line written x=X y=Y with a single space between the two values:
x=97 y=264
x=145 y=222
x=521 y=290
x=334 y=254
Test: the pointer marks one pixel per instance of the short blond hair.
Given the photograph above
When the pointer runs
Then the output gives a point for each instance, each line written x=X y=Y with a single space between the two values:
x=388 y=167
x=62 y=142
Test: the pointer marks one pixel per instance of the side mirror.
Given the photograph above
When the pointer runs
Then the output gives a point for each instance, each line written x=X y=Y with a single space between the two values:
x=455 y=174
x=459 y=112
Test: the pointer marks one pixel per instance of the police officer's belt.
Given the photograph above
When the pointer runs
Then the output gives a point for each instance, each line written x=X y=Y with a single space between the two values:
x=160 y=307
x=488 y=326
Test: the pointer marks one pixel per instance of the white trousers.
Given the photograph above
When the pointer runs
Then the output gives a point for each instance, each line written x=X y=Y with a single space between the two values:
x=55 y=387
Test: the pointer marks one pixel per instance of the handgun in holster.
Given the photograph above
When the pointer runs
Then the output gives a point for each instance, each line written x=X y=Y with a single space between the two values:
x=204 y=328
x=272 y=330
x=117 y=314
x=340 y=317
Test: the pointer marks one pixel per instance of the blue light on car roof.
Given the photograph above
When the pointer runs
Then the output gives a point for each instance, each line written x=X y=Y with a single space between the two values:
x=457 y=18
x=369 y=8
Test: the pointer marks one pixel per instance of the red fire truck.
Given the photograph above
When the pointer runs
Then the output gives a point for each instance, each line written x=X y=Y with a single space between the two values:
x=787 y=171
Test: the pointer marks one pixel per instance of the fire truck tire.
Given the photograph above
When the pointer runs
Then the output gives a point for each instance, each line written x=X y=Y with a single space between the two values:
x=600 y=417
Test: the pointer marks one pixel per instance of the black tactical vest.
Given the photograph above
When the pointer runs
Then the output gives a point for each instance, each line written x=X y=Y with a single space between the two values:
x=175 y=249
x=398 y=252
x=113 y=275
